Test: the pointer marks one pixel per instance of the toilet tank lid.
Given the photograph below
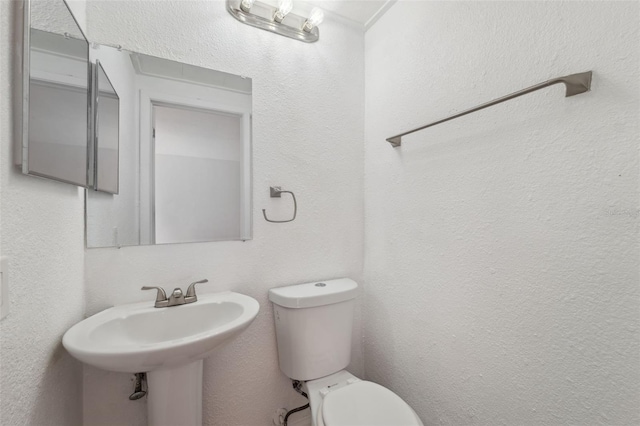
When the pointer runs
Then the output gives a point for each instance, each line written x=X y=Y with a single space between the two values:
x=316 y=293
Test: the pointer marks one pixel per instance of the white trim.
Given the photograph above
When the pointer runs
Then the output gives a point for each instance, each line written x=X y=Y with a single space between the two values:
x=246 y=217
x=135 y=60
x=146 y=169
x=379 y=14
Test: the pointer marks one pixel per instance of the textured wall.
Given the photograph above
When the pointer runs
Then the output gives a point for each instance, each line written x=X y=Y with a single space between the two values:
x=502 y=254
x=308 y=121
x=53 y=16
x=42 y=234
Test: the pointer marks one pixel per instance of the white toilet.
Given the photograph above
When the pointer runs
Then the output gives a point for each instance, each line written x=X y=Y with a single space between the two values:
x=313 y=329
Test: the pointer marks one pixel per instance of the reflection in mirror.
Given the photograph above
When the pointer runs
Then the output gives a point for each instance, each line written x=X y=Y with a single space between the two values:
x=185 y=155
x=197 y=174
x=107 y=133
x=56 y=93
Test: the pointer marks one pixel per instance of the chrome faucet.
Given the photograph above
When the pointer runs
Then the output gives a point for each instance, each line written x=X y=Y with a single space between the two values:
x=177 y=296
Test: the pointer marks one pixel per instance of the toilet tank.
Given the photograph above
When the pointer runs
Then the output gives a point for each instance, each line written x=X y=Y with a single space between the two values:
x=313 y=327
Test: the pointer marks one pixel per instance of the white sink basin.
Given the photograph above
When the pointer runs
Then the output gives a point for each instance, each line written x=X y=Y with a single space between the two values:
x=140 y=338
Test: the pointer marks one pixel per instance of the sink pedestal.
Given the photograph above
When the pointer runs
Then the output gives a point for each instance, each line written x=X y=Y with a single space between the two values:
x=175 y=396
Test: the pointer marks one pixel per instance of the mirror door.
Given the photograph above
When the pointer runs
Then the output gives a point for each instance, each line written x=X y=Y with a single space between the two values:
x=56 y=107
x=105 y=166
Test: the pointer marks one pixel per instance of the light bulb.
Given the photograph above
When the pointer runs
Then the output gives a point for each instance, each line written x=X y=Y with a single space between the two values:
x=284 y=7
x=314 y=20
x=316 y=17
x=245 y=5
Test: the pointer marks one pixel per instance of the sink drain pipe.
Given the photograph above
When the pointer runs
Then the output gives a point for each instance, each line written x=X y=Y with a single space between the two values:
x=137 y=390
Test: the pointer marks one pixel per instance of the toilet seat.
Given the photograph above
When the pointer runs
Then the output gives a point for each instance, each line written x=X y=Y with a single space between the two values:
x=365 y=404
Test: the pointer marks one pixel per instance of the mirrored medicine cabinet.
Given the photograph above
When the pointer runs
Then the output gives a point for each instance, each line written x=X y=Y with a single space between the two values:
x=55 y=95
x=163 y=147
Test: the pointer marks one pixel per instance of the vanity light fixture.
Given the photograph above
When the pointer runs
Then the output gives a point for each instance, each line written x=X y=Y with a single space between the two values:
x=279 y=19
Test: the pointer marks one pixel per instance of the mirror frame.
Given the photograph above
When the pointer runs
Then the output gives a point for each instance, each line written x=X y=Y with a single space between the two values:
x=22 y=151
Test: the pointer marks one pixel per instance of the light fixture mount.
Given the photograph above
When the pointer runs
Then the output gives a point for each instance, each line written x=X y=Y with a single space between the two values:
x=261 y=15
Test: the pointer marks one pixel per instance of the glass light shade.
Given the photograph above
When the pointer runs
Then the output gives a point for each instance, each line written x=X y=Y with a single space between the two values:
x=285 y=6
x=316 y=17
x=246 y=4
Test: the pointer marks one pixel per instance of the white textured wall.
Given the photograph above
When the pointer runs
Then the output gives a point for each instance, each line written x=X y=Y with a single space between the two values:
x=308 y=122
x=42 y=234
x=79 y=10
x=502 y=254
x=53 y=16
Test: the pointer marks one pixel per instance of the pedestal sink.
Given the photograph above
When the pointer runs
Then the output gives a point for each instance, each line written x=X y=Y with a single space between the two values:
x=168 y=344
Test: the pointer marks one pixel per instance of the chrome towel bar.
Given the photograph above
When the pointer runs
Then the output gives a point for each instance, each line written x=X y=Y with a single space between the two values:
x=574 y=83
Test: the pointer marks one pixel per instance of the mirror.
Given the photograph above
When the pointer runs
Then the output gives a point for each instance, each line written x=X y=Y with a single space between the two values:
x=185 y=154
x=106 y=132
x=55 y=126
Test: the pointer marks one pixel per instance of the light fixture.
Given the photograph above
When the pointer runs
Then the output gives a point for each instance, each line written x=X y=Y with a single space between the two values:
x=270 y=18
x=314 y=20
x=284 y=7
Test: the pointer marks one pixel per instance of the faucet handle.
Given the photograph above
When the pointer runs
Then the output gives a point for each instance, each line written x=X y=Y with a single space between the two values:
x=191 y=291
x=161 y=296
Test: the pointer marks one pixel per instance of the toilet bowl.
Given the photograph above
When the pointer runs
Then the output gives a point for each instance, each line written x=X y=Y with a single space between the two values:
x=342 y=399
x=313 y=331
